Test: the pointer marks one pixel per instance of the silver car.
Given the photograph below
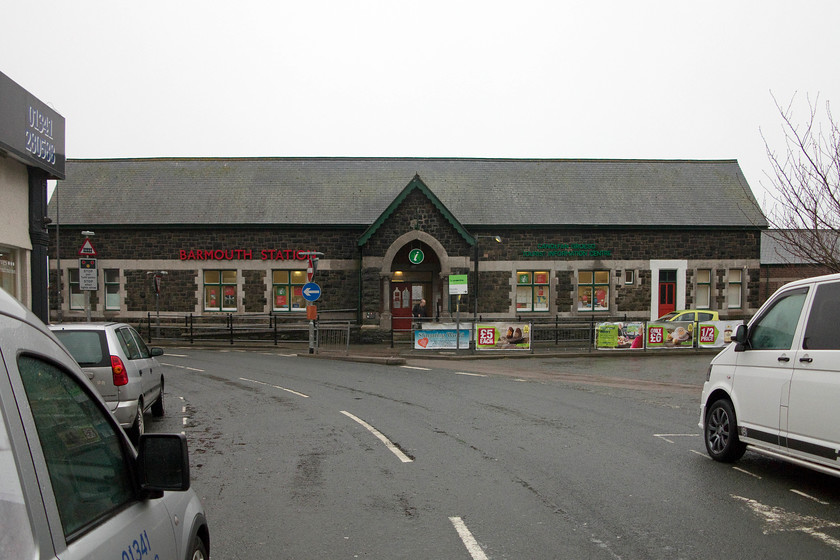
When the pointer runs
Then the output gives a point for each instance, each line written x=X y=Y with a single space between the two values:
x=72 y=486
x=121 y=367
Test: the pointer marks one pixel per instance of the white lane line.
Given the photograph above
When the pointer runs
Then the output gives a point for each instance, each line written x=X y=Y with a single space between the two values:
x=701 y=454
x=467 y=538
x=739 y=469
x=666 y=436
x=804 y=495
x=470 y=374
x=176 y=355
x=275 y=386
x=417 y=367
x=388 y=443
x=181 y=367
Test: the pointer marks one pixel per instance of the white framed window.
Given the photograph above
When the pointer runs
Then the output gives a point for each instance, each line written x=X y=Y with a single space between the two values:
x=532 y=290
x=734 y=288
x=112 y=289
x=629 y=277
x=593 y=290
x=220 y=290
x=287 y=290
x=77 y=296
x=704 y=288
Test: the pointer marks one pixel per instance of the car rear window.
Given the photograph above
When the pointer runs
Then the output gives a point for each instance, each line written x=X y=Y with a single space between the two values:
x=88 y=348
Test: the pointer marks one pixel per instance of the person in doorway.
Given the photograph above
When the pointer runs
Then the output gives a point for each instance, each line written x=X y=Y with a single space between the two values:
x=419 y=311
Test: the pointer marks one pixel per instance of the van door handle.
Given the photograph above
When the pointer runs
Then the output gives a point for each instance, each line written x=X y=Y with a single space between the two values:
x=784 y=358
x=806 y=359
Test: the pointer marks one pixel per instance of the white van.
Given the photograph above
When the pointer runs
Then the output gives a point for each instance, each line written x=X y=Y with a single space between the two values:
x=71 y=484
x=776 y=389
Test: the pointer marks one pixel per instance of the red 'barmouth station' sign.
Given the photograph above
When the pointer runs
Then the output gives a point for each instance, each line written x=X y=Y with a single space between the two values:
x=242 y=255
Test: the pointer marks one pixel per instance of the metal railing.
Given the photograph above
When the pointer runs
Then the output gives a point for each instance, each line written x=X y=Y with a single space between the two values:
x=232 y=328
x=333 y=336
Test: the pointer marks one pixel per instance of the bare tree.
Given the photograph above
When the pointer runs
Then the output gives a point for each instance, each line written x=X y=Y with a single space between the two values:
x=805 y=186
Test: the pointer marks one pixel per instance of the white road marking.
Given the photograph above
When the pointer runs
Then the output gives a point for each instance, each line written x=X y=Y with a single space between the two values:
x=417 y=367
x=701 y=454
x=778 y=520
x=739 y=469
x=176 y=355
x=467 y=538
x=666 y=436
x=804 y=495
x=470 y=374
x=181 y=367
x=388 y=443
x=275 y=386
x=184 y=412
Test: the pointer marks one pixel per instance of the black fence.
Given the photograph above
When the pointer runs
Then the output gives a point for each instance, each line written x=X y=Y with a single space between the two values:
x=231 y=328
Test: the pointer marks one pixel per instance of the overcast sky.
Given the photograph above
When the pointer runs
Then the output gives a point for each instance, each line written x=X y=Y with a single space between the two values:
x=588 y=79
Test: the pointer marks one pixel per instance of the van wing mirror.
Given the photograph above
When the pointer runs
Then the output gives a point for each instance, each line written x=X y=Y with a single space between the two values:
x=163 y=463
x=740 y=338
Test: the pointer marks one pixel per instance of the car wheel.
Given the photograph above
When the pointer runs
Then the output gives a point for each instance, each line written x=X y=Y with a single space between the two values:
x=157 y=408
x=721 y=433
x=139 y=427
x=199 y=551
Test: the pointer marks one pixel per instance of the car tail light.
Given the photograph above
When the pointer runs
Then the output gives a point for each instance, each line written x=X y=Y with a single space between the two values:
x=118 y=369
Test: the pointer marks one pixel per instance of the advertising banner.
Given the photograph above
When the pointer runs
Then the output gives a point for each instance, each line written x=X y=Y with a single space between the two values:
x=503 y=336
x=441 y=336
x=670 y=334
x=716 y=334
x=620 y=335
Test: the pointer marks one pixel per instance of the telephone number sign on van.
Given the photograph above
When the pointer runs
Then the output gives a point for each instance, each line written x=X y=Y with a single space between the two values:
x=72 y=486
x=775 y=390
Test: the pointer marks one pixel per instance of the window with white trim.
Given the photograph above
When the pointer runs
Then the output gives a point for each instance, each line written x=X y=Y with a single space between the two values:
x=77 y=296
x=220 y=290
x=704 y=288
x=112 y=289
x=593 y=290
x=734 y=288
x=531 y=290
x=287 y=290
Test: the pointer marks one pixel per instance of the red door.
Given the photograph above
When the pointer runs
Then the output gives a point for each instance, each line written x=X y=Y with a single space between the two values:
x=667 y=297
x=401 y=305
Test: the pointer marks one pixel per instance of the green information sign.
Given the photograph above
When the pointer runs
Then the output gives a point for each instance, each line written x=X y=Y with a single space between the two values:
x=457 y=284
x=416 y=256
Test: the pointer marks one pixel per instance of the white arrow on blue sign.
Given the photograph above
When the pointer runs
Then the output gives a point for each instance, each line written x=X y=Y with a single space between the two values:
x=311 y=291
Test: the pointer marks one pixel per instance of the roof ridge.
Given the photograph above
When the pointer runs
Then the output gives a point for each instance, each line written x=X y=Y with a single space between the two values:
x=400 y=158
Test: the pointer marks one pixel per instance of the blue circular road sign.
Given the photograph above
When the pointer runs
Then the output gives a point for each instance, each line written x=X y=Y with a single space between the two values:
x=311 y=291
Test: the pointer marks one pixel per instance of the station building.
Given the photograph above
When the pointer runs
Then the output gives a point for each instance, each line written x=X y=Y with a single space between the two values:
x=536 y=237
x=31 y=153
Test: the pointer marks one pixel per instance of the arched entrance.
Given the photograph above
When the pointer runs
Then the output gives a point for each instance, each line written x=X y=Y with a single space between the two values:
x=415 y=276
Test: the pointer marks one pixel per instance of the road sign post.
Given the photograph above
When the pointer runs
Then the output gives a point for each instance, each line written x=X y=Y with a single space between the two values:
x=87 y=271
x=311 y=292
x=458 y=286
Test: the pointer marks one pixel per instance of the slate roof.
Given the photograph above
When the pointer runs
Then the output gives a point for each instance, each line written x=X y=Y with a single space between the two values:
x=355 y=191
x=775 y=250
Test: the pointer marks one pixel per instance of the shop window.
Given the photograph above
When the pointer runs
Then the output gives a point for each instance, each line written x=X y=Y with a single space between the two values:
x=593 y=290
x=704 y=288
x=112 y=289
x=8 y=270
x=220 y=287
x=734 y=288
x=287 y=290
x=77 y=296
x=532 y=290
